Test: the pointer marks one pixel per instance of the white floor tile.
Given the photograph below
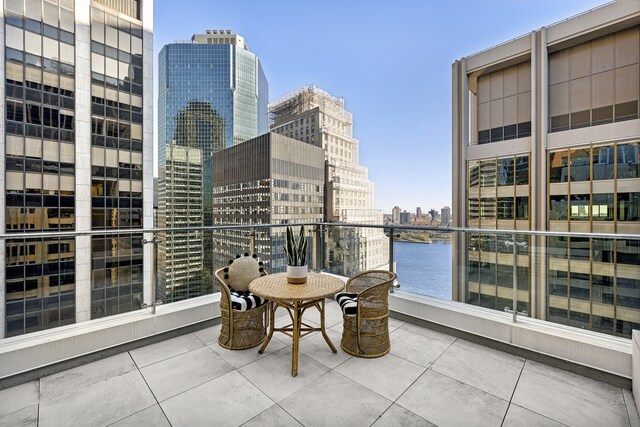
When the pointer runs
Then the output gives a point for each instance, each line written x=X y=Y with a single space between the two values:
x=19 y=397
x=229 y=400
x=166 y=349
x=397 y=416
x=150 y=417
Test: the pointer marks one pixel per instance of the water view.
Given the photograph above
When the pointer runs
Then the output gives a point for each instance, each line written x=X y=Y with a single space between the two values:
x=424 y=268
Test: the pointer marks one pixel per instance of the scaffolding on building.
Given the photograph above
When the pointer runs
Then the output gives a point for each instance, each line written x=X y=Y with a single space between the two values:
x=306 y=98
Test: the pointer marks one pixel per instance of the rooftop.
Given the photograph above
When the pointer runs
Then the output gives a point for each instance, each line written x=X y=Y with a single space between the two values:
x=428 y=378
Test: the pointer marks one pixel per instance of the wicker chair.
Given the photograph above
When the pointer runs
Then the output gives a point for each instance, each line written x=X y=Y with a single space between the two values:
x=365 y=306
x=240 y=329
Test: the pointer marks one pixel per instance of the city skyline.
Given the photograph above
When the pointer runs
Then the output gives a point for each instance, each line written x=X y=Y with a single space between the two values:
x=420 y=131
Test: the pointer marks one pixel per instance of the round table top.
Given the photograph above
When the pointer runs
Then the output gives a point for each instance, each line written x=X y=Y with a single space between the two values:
x=275 y=287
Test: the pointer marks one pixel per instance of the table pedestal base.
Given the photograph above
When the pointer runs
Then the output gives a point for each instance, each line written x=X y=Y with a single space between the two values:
x=297 y=328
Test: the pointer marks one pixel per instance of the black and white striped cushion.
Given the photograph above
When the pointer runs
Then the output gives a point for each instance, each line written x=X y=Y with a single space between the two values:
x=348 y=303
x=243 y=301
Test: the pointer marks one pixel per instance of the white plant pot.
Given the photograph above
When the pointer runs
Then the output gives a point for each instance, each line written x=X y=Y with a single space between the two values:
x=297 y=275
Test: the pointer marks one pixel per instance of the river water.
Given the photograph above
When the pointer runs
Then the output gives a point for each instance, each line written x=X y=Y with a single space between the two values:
x=424 y=268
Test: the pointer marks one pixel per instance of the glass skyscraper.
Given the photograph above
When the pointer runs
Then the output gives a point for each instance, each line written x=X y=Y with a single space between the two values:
x=212 y=95
x=73 y=147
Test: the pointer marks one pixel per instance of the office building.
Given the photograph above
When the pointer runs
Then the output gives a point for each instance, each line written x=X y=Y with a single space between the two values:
x=270 y=179
x=78 y=153
x=405 y=217
x=395 y=215
x=445 y=216
x=418 y=212
x=316 y=117
x=213 y=94
x=546 y=137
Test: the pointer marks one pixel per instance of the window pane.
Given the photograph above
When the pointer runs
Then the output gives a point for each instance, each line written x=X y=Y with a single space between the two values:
x=505 y=208
x=558 y=166
x=602 y=207
x=580 y=207
x=602 y=163
x=629 y=160
x=629 y=206
x=522 y=170
x=580 y=164
x=488 y=173
x=505 y=171
x=522 y=207
x=558 y=208
x=14 y=37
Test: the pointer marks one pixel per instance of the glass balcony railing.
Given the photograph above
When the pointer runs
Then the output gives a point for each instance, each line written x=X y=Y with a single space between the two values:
x=585 y=280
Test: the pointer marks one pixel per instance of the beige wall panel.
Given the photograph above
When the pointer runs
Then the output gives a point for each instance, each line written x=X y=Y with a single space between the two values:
x=510 y=81
x=603 y=227
x=487 y=289
x=602 y=310
x=559 y=302
x=473 y=286
x=580 y=187
x=580 y=61
x=602 y=87
x=628 y=271
x=558 y=264
x=579 y=306
x=604 y=186
x=484 y=89
x=626 y=82
x=497 y=91
x=626 y=47
x=602 y=54
x=497 y=118
x=506 y=191
x=628 y=228
x=488 y=192
x=559 y=99
x=559 y=67
x=628 y=314
x=524 y=77
x=580 y=94
x=580 y=226
x=603 y=268
x=522 y=190
x=628 y=185
x=505 y=224
x=524 y=107
x=558 y=188
x=484 y=116
x=558 y=226
x=522 y=224
x=510 y=110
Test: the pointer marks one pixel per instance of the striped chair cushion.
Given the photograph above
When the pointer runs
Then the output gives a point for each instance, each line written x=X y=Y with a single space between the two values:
x=348 y=303
x=243 y=301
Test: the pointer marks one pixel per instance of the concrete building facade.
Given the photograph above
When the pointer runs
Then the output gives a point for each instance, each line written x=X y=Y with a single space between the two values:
x=546 y=137
x=313 y=116
x=77 y=147
x=270 y=179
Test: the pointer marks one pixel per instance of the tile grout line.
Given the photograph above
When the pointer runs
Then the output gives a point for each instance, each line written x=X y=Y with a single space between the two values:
x=504 y=417
x=39 y=398
x=394 y=402
x=152 y=393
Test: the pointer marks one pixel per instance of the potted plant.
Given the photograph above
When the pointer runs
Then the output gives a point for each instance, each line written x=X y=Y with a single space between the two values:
x=296 y=250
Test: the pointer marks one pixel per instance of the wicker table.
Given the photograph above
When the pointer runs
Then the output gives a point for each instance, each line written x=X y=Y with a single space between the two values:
x=296 y=299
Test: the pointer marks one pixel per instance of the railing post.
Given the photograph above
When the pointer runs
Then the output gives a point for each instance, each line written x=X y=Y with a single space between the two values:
x=154 y=282
x=252 y=241
x=515 y=278
x=391 y=258
x=515 y=245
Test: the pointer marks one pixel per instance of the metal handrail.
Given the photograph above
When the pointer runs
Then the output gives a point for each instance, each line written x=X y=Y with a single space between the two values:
x=47 y=234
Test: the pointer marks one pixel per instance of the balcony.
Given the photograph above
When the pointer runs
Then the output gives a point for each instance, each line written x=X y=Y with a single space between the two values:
x=428 y=377
x=462 y=358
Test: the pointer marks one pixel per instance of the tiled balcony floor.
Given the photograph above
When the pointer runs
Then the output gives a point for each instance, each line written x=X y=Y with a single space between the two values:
x=429 y=378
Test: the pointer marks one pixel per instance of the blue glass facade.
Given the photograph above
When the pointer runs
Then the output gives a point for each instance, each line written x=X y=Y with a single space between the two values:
x=211 y=97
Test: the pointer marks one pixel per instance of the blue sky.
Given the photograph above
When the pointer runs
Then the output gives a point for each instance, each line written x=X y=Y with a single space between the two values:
x=390 y=60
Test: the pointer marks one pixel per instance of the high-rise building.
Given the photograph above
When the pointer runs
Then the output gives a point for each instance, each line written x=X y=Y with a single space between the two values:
x=213 y=94
x=77 y=148
x=546 y=136
x=418 y=212
x=405 y=217
x=313 y=116
x=395 y=215
x=270 y=179
x=445 y=216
